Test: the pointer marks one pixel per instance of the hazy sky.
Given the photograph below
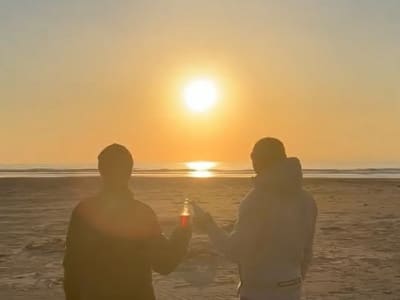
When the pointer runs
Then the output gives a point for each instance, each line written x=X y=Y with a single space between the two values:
x=321 y=75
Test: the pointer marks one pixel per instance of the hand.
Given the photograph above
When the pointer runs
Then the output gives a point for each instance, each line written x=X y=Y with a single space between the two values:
x=182 y=233
x=201 y=218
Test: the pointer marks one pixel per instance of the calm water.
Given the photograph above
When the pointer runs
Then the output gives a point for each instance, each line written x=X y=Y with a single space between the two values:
x=200 y=173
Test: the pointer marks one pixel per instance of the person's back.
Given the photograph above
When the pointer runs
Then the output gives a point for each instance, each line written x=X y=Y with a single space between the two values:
x=114 y=242
x=280 y=225
x=272 y=238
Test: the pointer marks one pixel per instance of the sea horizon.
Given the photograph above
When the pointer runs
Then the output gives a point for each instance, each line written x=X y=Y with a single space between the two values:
x=180 y=170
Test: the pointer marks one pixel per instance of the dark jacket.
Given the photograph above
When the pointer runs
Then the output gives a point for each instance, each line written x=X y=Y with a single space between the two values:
x=112 y=249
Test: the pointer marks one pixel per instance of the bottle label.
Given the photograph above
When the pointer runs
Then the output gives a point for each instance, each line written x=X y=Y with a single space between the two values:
x=185 y=219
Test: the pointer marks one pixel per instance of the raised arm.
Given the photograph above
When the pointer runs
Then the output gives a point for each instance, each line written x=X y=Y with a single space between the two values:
x=166 y=254
x=237 y=244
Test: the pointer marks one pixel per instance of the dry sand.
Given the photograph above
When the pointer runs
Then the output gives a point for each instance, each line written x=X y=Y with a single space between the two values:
x=357 y=245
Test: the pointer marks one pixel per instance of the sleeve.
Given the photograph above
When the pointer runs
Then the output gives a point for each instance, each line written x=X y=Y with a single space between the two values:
x=71 y=260
x=236 y=244
x=166 y=254
x=308 y=249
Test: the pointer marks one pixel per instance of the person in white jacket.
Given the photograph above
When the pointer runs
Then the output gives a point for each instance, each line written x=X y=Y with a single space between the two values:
x=273 y=236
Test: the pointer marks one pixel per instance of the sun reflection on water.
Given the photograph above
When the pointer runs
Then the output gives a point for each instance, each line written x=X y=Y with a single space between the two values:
x=201 y=169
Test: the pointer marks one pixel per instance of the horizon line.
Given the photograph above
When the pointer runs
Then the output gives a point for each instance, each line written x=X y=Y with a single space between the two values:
x=44 y=169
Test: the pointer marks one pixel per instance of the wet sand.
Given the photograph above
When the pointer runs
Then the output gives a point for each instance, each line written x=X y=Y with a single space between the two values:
x=357 y=245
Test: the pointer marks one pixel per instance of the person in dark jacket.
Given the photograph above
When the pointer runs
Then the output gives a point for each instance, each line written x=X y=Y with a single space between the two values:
x=114 y=241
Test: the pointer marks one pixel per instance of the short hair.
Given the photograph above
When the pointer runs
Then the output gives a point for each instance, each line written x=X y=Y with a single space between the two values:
x=269 y=149
x=115 y=159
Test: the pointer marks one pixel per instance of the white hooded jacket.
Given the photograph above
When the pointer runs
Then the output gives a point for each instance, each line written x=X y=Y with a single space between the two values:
x=273 y=236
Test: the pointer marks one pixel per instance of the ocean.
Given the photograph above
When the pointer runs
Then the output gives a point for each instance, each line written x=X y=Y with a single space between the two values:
x=242 y=173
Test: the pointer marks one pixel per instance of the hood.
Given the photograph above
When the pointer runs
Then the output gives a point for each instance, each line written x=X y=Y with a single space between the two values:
x=286 y=176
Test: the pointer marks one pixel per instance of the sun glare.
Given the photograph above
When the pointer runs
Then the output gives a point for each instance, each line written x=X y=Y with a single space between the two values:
x=201 y=169
x=200 y=95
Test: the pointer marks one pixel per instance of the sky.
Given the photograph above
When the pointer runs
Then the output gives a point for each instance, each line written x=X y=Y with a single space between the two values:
x=323 y=76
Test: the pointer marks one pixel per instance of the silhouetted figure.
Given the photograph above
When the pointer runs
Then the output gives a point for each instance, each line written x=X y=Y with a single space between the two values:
x=272 y=239
x=114 y=241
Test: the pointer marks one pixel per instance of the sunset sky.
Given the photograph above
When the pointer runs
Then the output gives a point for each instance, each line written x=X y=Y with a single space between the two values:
x=323 y=76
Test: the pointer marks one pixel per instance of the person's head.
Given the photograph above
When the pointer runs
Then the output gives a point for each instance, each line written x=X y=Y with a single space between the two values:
x=267 y=152
x=115 y=164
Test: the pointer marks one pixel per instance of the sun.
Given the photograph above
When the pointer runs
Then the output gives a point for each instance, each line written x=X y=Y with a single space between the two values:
x=200 y=94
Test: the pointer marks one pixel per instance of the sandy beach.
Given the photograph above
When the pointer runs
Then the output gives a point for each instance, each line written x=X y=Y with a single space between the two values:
x=357 y=245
